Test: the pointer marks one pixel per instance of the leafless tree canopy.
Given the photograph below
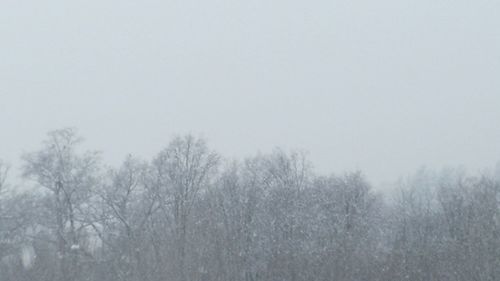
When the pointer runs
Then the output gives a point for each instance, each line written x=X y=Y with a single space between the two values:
x=189 y=214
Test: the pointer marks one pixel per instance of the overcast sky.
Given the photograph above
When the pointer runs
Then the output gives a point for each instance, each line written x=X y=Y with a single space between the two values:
x=382 y=86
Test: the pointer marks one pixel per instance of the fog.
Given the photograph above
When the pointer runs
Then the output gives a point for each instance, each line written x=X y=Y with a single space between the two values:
x=189 y=213
x=381 y=86
x=275 y=140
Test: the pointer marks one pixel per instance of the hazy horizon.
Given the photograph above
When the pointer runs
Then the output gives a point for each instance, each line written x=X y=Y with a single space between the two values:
x=380 y=86
x=366 y=136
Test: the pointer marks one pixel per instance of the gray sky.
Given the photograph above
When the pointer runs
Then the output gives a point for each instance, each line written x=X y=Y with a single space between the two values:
x=383 y=86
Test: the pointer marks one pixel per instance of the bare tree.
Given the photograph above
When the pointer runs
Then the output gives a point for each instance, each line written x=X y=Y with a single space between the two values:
x=126 y=205
x=185 y=169
x=69 y=177
x=183 y=216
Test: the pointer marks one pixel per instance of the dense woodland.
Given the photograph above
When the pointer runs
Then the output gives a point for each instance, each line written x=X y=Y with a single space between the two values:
x=189 y=214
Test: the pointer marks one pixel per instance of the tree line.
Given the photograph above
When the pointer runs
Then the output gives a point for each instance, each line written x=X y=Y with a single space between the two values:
x=189 y=214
